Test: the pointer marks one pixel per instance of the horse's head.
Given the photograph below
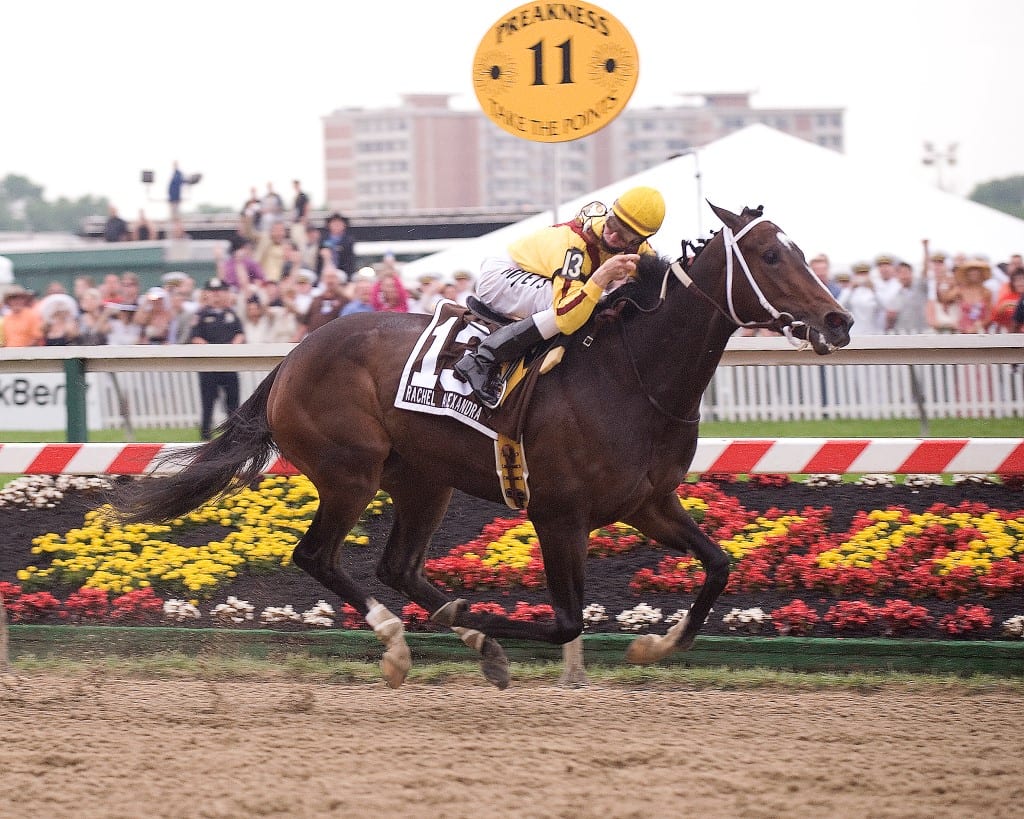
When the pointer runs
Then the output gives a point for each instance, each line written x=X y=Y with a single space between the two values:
x=769 y=284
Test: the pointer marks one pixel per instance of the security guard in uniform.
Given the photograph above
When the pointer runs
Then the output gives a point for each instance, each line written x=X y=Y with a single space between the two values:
x=216 y=323
x=553 y=279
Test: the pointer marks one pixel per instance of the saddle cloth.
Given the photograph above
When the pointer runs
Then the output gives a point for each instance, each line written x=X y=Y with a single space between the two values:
x=429 y=385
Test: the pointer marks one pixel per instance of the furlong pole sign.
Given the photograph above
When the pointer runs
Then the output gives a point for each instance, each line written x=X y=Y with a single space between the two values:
x=554 y=72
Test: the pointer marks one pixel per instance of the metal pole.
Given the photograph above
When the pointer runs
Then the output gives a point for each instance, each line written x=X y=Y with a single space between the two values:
x=74 y=386
x=556 y=182
x=700 y=193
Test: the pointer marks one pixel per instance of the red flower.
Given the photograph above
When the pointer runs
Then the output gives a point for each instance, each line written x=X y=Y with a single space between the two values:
x=851 y=614
x=901 y=615
x=966 y=619
x=794 y=618
x=140 y=605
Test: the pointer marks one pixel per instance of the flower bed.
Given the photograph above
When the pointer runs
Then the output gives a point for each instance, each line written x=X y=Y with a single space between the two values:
x=943 y=569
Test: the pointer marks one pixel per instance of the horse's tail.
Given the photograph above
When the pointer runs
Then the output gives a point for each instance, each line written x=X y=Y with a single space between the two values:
x=232 y=460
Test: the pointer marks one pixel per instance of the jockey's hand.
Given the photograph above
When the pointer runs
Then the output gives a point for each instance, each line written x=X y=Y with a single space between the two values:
x=616 y=270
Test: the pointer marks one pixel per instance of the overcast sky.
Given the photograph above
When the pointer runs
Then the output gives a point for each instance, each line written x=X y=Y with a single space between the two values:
x=95 y=92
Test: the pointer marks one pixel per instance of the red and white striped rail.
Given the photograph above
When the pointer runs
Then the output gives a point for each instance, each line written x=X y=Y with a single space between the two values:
x=725 y=455
x=100 y=459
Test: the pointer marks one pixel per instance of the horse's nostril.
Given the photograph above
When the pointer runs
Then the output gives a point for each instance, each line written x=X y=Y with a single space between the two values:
x=838 y=321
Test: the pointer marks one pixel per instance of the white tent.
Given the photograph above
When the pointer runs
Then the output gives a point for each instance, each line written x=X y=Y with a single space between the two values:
x=824 y=201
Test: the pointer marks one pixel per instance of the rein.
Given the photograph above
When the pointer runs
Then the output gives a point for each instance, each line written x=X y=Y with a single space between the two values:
x=780 y=321
x=643 y=387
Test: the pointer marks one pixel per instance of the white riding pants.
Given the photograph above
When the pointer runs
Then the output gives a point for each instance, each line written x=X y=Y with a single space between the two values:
x=510 y=289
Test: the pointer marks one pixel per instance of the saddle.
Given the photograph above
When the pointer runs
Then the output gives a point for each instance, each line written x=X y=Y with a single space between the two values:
x=429 y=385
x=486 y=313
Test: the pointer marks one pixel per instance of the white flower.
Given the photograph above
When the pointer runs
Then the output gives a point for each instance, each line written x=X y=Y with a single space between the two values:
x=922 y=481
x=823 y=479
x=233 y=611
x=45 y=491
x=638 y=618
x=876 y=479
x=322 y=614
x=679 y=615
x=180 y=610
x=593 y=614
x=1014 y=627
x=749 y=620
x=976 y=478
x=280 y=614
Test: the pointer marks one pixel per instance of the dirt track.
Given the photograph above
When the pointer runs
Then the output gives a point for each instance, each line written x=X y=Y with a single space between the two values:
x=105 y=747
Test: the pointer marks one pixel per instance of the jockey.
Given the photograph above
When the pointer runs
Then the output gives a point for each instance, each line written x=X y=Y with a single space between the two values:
x=553 y=279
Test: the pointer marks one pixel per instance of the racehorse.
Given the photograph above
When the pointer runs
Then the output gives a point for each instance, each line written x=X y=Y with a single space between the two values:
x=610 y=433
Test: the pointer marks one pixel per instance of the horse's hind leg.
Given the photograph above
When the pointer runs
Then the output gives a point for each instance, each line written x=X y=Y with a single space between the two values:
x=319 y=554
x=419 y=506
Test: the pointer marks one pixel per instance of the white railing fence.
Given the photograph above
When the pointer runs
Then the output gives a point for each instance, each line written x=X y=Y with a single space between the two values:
x=739 y=393
x=760 y=379
x=782 y=393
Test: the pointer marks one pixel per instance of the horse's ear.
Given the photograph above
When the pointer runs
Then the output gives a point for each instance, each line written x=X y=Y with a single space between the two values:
x=728 y=218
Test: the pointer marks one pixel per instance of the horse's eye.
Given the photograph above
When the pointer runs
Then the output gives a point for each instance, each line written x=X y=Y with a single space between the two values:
x=770 y=256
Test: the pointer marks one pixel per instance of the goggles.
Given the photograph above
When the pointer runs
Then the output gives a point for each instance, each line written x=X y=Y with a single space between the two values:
x=620 y=229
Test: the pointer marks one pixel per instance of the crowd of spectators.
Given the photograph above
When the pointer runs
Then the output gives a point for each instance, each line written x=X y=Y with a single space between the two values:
x=287 y=277
x=959 y=294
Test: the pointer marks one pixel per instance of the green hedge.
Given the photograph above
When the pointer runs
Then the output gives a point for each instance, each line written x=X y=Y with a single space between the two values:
x=777 y=653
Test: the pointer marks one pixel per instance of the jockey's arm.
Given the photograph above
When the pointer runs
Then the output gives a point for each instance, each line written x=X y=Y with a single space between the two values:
x=575 y=295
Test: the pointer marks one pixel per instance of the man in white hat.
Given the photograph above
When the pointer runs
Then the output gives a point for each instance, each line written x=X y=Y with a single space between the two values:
x=361 y=294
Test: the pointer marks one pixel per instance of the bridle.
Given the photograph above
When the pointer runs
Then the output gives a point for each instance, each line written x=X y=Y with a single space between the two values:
x=780 y=322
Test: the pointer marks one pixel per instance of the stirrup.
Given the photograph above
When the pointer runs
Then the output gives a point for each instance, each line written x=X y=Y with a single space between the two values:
x=486 y=399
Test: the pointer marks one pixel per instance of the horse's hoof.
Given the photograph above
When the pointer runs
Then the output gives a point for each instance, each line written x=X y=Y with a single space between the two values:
x=449 y=611
x=494 y=664
x=644 y=650
x=395 y=664
x=574 y=678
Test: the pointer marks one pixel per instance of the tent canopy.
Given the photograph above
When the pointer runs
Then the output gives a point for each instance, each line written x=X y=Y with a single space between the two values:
x=823 y=200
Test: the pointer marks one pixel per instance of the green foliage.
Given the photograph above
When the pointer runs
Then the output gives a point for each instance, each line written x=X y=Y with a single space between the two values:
x=23 y=207
x=1006 y=195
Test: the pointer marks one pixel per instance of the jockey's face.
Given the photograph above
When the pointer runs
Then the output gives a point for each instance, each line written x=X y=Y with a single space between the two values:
x=617 y=238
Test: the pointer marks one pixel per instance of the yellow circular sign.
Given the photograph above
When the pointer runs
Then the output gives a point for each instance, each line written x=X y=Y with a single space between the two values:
x=554 y=72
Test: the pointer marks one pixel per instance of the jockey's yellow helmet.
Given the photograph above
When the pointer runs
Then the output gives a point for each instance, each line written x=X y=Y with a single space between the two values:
x=641 y=209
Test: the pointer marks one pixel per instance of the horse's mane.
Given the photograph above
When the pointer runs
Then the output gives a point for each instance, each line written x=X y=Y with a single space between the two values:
x=642 y=293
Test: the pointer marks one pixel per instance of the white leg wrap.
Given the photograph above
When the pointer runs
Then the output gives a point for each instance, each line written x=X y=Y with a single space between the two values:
x=385 y=624
x=471 y=637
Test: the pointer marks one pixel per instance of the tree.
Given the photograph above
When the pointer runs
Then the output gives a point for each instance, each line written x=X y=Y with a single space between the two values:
x=1006 y=195
x=23 y=207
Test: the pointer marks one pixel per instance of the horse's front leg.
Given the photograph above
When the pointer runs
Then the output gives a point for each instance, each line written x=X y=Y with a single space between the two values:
x=665 y=520
x=563 y=543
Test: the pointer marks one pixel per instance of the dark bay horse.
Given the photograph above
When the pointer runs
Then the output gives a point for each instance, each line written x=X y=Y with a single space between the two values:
x=610 y=434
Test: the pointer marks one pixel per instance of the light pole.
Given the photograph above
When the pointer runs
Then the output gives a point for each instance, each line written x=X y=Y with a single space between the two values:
x=937 y=158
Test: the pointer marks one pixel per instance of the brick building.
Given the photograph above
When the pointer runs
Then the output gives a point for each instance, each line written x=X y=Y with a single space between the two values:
x=425 y=156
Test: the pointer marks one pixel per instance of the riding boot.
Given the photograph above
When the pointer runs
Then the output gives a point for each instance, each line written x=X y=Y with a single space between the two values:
x=480 y=368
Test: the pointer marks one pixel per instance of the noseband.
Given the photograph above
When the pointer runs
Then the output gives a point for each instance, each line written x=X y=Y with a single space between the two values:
x=780 y=322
